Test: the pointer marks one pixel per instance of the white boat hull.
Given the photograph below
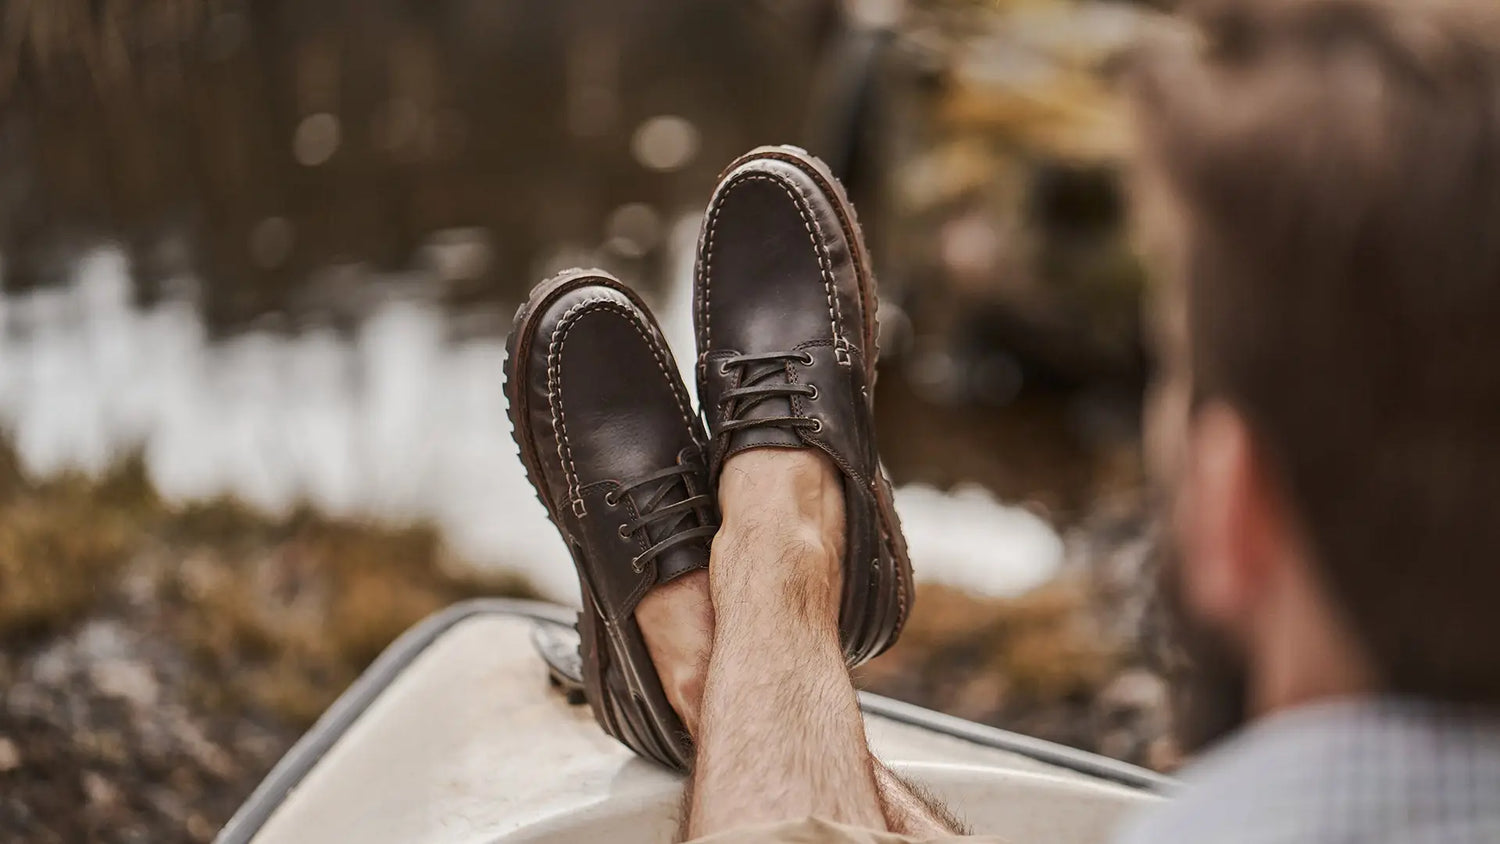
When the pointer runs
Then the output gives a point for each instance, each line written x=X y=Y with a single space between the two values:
x=455 y=736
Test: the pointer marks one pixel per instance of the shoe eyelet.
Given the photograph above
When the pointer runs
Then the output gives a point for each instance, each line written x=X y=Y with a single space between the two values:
x=724 y=367
x=624 y=534
x=611 y=498
x=817 y=427
x=806 y=358
x=813 y=396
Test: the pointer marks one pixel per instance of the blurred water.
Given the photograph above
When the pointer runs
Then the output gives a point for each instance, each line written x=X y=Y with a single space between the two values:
x=396 y=422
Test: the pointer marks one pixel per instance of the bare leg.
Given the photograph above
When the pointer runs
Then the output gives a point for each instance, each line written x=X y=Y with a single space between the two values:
x=784 y=528
x=677 y=622
x=912 y=811
x=782 y=736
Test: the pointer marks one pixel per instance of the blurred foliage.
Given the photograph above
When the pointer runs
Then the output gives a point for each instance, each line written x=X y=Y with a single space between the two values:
x=283 y=151
x=60 y=540
x=289 y=625
x=990 y=660
x=1055 y=663
x=1005 y=220
x=281 y=613
x=157 y=659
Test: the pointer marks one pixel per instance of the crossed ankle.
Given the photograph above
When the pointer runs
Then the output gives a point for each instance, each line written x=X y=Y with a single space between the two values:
x=775 y=573
x=808 y=543
x=775 y=550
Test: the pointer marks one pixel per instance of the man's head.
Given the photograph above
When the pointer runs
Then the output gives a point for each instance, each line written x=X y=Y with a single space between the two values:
x=1320 y=187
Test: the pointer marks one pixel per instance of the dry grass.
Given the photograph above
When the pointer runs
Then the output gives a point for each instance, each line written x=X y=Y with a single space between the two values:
x=281 y=614
x=62 y=542
x=994 y=660
x=288 y=626
x=232 y=632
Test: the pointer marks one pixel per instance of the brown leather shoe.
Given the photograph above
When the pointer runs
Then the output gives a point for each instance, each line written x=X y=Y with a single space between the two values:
x=614 y=449
x=784 y=306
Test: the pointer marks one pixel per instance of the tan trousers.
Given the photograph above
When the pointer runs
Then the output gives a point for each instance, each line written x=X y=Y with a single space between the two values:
x=815 y=831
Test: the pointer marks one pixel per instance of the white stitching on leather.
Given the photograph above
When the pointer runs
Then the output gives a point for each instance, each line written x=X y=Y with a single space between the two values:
x=804 y=208
x=703 y=276
x=554 y=377
x=814 y=233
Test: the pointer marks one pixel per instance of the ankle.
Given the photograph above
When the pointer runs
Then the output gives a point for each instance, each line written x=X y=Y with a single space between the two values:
x=677 y=622
x=775 y=574
x=779 y=550
x=794 y=493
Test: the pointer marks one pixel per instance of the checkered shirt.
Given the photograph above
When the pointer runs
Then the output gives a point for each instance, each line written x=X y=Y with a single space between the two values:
x=1356 y=772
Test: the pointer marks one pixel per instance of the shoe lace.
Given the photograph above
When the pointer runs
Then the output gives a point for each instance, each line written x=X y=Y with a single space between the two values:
x=677 y=523
x=758 y=374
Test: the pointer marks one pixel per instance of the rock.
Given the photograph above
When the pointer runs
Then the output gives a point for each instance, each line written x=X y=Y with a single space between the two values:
x=10 y=755
x=1136 y=690
x=131 y=681
x=101 y=640
x=101 y=793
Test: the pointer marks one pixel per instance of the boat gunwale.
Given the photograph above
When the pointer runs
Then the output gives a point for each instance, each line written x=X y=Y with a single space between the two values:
x=304 y=756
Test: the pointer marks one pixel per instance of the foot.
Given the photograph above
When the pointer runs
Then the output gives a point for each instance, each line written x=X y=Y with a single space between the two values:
x=609 y=439
x=677 y=620
x=785 y=320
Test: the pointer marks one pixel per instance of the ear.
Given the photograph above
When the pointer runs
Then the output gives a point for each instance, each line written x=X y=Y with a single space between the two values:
x=1227 y=521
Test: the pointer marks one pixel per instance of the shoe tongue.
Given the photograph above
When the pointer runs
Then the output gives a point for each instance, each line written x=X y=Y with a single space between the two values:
x=678 y=561
x=767 y=437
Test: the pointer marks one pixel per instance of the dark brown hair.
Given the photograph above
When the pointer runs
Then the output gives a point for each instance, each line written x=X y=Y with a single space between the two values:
x=1335 y=167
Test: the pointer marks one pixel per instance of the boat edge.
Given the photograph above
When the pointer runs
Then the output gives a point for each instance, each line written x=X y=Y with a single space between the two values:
x=299 y=761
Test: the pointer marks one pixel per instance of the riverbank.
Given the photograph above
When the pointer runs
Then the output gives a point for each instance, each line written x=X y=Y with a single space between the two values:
x=158 y=659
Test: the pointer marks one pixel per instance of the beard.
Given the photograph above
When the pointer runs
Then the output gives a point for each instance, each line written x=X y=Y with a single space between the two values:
x=1206 y=671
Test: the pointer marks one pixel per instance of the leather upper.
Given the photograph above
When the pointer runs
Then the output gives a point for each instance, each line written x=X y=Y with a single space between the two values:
x=776 y=273
x=606 y=409
x=785 y=329
x=772 y=257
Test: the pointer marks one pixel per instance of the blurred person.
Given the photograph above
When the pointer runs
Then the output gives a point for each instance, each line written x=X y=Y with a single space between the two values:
x=1320 y=184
